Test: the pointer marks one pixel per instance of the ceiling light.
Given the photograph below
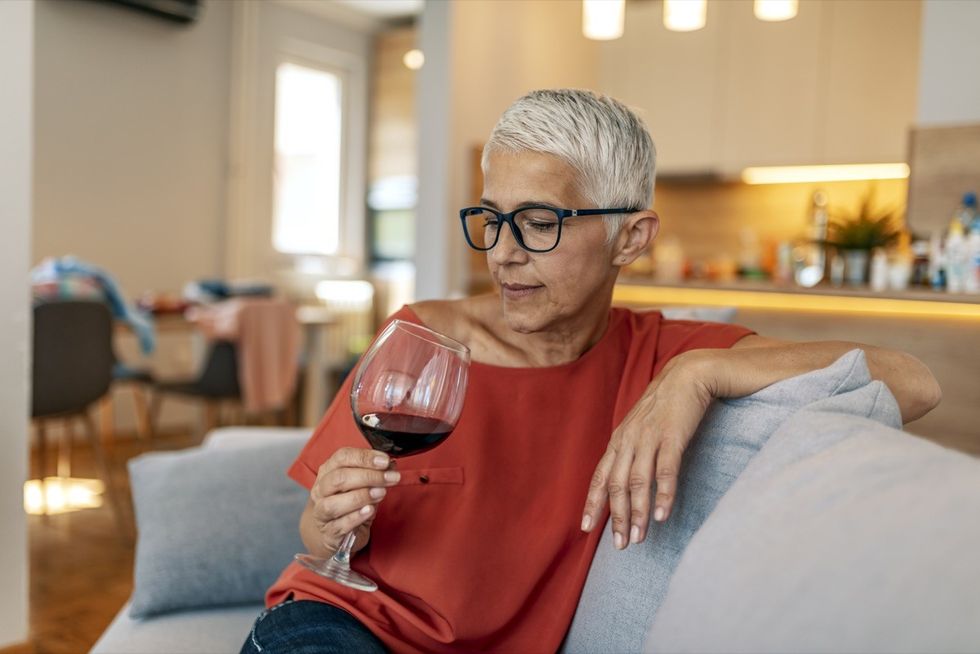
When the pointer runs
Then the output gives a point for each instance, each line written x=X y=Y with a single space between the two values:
x=602 y=20
x=685 y=15
x=775 y=10
x=832 y=173
x=413 y=59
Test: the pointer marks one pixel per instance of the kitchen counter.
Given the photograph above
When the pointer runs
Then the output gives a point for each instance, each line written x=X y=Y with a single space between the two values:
x=940 y=329
x=766 y=295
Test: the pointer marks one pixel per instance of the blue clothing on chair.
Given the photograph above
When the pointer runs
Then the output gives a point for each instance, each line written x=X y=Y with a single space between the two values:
x=61 y=272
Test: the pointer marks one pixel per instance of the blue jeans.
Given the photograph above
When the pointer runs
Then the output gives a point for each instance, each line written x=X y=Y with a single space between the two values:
x=305 y=627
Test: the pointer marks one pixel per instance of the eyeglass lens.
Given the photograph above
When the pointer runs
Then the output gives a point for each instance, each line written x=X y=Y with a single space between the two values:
x=538 y=228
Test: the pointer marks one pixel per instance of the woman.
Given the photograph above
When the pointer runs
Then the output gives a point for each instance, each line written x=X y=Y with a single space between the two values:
x=572 y=408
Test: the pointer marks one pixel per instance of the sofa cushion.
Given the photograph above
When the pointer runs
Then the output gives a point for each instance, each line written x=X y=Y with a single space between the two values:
x=625 y=588
x=252 y=436
x=216 y=525
x=842 y=535
x=220 y=630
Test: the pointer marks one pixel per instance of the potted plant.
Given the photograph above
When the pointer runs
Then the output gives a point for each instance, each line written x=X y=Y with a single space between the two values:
x=856 y=234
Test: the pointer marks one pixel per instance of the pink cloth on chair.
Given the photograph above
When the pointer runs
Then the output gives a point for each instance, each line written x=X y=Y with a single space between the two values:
x=267 y=336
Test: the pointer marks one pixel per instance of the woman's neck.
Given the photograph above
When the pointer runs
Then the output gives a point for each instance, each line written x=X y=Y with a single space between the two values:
x=564 y=339
x=562 y=343
x=479 y=322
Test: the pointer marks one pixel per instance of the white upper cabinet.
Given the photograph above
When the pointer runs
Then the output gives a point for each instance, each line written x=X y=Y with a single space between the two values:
x=872 y=64
x=770 y=75
x=836 y=84
x=671 y=77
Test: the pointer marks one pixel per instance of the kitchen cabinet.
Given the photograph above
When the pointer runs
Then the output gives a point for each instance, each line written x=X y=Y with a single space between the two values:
x=935 y=328
x=672 y=79
x=770 y=80
x=872 y=72
x=836 y=84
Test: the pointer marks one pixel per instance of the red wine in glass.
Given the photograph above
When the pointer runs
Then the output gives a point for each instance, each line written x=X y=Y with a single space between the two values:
x=406 y=399
x=400 y=434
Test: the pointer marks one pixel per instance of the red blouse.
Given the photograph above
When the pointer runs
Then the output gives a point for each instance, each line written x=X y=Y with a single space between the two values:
x=487 y=555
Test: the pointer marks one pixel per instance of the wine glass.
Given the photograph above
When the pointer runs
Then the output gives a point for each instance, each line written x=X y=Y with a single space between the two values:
x=407 y=396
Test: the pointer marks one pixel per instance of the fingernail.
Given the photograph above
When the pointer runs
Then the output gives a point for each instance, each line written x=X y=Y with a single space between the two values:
x=377 y=493
x=658 y=515
x=392 y=476
x=381 y=461
x=618 y=540
x=366 y=510
x=635 y=534
x=586 y=523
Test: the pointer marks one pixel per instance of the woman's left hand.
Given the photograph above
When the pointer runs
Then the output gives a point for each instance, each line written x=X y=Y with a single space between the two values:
x=646 y=447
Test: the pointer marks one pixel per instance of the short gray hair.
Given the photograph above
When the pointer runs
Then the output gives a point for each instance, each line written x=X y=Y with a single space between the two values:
x=604 y=141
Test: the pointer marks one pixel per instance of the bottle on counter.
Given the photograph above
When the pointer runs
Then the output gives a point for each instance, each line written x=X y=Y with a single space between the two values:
x=810 y=257
x=971 y=283
x=783 y=272
x=966 y=213
x=901 y=263
x=920 y=263
x=879 y=270
x=937 y=262
x=956 y=258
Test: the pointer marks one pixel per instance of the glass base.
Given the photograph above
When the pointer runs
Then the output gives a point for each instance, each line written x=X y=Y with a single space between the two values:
x=342 y=574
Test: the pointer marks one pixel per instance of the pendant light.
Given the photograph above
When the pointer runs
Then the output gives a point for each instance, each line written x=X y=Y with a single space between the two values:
x=775 y=10
x=685 y=15
x=602 y=20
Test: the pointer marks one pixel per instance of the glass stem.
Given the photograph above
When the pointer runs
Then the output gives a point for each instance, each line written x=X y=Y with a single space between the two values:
x=342 y=557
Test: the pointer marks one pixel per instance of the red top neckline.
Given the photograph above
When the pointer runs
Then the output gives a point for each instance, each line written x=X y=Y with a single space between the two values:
x=616 y=321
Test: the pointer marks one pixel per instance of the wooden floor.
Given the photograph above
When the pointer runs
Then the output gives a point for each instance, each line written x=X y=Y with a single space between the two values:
x=81 y=565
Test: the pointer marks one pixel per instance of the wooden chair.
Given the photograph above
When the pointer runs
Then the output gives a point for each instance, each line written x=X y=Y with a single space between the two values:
x=216 y=385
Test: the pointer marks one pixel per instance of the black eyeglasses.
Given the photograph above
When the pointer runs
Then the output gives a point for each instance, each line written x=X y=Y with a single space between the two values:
x=535 y=228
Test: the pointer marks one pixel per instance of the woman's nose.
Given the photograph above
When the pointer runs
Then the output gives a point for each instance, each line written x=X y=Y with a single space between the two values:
x=507 y=250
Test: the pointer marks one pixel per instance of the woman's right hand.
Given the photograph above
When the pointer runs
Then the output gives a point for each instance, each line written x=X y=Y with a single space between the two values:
x=344 y=498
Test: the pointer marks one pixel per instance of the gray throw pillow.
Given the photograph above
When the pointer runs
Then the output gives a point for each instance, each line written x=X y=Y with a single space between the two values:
x=842 y=535
x=625 y=588
x=216 y=525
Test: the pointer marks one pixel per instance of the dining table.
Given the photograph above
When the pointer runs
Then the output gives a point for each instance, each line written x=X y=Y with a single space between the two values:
x=316 y=321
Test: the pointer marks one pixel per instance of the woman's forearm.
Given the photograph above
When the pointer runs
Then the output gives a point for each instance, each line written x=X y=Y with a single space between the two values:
x=745 y=369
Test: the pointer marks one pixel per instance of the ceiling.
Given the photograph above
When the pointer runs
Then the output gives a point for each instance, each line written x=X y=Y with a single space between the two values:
x=386 y=8
x=363 y=15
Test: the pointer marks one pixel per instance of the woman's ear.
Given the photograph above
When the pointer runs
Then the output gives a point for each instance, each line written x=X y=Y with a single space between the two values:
x=635 y=237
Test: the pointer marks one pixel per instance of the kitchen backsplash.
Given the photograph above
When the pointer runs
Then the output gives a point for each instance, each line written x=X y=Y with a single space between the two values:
x=710 y=219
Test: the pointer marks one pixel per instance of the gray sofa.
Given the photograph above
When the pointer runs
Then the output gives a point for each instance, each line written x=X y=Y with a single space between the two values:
x=806 y=521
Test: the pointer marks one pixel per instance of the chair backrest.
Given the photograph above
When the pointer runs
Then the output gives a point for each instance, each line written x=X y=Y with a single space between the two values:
x=73 y=356
x=219 y=377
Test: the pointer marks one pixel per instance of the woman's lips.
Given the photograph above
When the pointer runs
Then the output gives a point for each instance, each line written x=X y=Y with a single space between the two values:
x=516 y=291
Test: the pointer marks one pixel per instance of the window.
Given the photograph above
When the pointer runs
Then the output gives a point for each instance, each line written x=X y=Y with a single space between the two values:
x=307 y=174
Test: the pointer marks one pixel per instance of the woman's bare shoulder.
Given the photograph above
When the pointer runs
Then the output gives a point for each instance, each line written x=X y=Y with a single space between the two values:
x=467 y=320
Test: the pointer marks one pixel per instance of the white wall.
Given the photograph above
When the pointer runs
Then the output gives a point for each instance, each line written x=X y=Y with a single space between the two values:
x=433 y=242
x=949 y=93
x=131 y=128
x=16 y=64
